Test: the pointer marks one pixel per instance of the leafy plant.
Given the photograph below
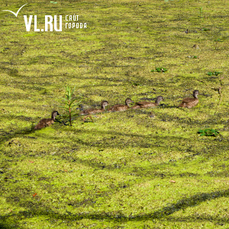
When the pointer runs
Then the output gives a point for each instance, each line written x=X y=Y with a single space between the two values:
x=208 y=132
x=160 y=70
x=70 y=102
x=213 y=73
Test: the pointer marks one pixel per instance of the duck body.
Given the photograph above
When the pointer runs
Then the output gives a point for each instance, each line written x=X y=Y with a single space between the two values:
x=136 y=106
x=95 y=111
x=146 y=104
x=190 y=102
x=121 y=107
x=46 y=121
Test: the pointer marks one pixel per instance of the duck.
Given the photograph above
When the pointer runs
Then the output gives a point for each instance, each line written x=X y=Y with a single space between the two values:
x=190 y=102
x=94 y=111
x=146 y=104
x=120 y=107
x=46 y=121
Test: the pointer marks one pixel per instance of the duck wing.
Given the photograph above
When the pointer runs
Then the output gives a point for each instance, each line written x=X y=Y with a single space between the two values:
x=189 y=102
x=136 y=106
x=43 y=123
x=117 y=107
x=146 y=104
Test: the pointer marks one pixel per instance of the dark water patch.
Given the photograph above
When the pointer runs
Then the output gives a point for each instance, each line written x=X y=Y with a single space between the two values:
x=215 y=119
x=224 y=173
x=214 y=79
x=16 y=117
x=84 y=203
x=148 y=99
x=11 y=71
x=182 y=204
x=206 y=95
x=10 y=225
x=23 y=118
x=42 y=60
x=6 y=136
x=187 y=174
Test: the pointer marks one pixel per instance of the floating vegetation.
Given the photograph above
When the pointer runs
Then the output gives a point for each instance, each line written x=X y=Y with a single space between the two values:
x=193 y=57
x=160 y=70
x=218 y=40
x=213 y=73
x=205 y=29
x=208 y=132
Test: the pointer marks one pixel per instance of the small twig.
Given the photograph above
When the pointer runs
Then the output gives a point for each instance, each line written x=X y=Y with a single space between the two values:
x=220 y=93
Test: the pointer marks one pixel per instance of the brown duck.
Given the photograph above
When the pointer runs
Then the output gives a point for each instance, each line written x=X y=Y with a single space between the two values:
x=120 y=107
x=145 y=104
x=94 y=111
x=190 y=102
x=46 y=121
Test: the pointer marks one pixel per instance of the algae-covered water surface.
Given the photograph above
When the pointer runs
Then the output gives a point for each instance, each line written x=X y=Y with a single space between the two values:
x=158 y=167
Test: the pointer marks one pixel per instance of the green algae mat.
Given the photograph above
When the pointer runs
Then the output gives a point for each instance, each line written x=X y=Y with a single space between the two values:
x=162 y=167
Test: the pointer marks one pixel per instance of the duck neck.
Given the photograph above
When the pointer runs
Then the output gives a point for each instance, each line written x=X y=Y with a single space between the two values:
x=128 y=104
x=103 y=106
x=53 y=117
x=195 y=96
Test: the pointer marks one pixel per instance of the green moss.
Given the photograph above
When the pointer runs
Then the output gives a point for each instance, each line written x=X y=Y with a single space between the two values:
x=127 y=169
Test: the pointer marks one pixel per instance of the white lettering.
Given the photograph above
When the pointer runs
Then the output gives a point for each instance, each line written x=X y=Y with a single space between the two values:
x=28 y=24
x=35 y=24
x=60 y=23
x=48 y=22
x=75 y=17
